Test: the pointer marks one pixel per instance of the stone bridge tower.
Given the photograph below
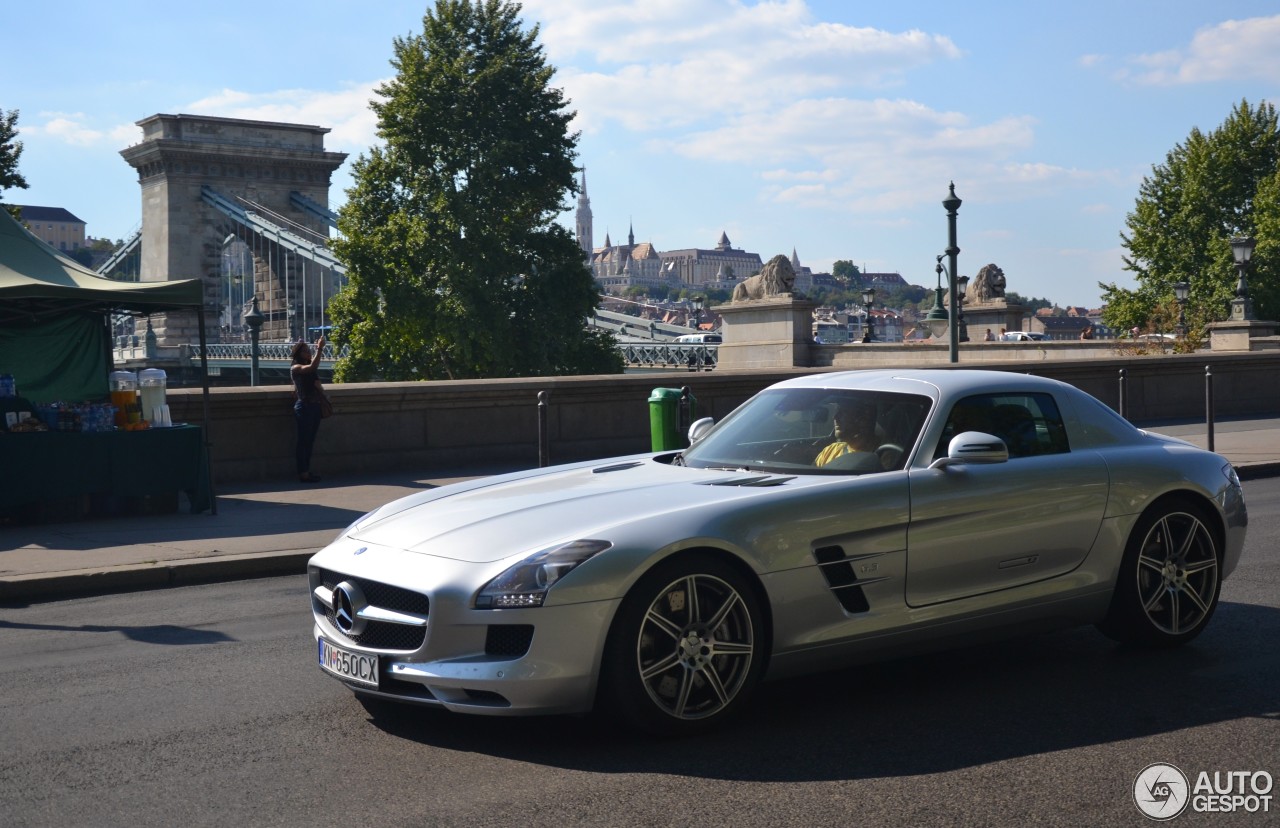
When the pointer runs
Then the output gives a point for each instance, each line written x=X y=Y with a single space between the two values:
x=258 y=163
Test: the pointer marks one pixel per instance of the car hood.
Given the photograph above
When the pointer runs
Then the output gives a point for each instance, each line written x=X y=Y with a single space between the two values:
x=483 y=523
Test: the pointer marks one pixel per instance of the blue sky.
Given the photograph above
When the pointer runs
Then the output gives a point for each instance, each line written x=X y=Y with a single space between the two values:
x=832 y=128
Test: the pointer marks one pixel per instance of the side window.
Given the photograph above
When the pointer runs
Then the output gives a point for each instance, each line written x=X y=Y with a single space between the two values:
x=1029 y=424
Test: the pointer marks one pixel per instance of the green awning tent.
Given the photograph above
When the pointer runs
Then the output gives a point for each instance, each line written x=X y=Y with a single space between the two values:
x=55 y=318
x=55 y=336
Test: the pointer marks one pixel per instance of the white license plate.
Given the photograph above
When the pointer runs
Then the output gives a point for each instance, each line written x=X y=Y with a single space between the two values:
x=357 y=667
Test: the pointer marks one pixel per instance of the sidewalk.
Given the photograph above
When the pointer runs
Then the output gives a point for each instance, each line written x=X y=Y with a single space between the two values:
x=271 y=529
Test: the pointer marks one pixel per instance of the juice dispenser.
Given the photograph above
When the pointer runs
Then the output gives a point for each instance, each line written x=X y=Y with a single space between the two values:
x=124 y=394
x=151 y=387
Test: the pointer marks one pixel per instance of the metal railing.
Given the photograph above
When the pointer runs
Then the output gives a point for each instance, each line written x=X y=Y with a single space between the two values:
x=669 y=355
x=266 y=350
x=634 y=355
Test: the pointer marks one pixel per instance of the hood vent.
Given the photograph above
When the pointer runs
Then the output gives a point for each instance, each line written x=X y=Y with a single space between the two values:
x=759 y=481
x=616 y=467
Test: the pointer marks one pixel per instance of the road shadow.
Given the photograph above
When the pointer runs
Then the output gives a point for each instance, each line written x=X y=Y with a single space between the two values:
x=920 y=715
x=259 y=512
x=167 y=634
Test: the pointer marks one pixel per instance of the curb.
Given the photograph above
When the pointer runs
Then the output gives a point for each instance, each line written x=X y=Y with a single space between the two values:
x=86 y=582
x=1256 y=471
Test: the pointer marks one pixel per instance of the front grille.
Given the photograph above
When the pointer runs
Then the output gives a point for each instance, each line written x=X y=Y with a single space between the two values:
x=382 y=635
x=508 y=640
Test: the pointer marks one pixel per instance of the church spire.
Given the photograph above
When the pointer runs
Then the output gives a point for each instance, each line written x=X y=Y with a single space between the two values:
x=583 y=229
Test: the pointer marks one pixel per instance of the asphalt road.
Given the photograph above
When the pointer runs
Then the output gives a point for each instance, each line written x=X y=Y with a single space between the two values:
x=203 y=706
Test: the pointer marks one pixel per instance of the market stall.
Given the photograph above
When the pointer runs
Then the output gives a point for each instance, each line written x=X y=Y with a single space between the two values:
x=55 y=345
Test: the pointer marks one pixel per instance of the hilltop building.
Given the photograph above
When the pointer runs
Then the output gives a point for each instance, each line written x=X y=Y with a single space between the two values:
x=55 y=226
x=697 y=266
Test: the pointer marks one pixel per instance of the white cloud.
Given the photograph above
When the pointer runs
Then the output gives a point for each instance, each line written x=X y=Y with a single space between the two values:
x=769 y=89
x=1233 y=50
x=345 y=111
x=67 y=127
x=656 y=65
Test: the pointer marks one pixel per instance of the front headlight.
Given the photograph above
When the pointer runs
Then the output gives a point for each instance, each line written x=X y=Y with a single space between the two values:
x=526 y=583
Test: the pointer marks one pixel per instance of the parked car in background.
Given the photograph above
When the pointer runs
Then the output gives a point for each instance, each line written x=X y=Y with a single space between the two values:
x=830 y=519
x=699 y=339
x=1022 y=336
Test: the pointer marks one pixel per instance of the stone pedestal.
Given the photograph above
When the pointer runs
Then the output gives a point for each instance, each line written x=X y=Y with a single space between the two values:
x=994 y=315
x=1243 y=335
x=766 y=333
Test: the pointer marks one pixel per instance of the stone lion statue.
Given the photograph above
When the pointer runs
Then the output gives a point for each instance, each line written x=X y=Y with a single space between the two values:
x=989 y=284
x=776 y=278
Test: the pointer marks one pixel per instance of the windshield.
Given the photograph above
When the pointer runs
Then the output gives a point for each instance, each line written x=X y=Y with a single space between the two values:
x=815 y=431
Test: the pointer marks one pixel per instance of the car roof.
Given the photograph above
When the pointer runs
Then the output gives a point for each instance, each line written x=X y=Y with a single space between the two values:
x=934 y=383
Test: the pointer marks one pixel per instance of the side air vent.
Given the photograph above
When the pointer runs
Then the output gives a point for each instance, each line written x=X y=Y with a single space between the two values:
x=840 y=577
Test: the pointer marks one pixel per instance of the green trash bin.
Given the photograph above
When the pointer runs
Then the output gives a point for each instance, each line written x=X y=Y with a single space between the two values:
x=670 y=413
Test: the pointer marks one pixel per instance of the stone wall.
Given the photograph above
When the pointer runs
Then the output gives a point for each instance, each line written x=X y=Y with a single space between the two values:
x=473 y=425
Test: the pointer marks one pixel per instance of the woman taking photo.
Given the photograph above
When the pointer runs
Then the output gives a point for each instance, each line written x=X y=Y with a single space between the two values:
x=306 y=406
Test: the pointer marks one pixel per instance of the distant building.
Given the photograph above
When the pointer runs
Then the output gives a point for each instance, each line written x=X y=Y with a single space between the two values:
x=881 y=281
x=697 y=266
x=55 y=226
x=804 y=276
x=621 y=266
x=618 y=267
x=1059 y=327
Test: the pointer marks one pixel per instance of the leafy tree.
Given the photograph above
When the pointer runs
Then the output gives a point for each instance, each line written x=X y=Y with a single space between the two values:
x=10 y=152
x=456 y=267
x=1032 y=304
x=1210 y=188
x=845 y=271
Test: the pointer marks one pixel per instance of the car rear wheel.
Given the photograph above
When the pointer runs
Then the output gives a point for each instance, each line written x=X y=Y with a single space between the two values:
x=685 y=649
x=1169 y=579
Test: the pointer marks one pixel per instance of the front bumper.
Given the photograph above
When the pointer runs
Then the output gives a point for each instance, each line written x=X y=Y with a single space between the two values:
x=507 y=662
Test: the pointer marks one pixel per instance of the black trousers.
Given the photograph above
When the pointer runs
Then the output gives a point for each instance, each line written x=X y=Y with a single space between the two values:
x=308 y=417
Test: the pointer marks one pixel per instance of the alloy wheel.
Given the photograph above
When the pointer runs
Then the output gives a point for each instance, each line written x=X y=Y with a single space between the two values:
x=695 y=647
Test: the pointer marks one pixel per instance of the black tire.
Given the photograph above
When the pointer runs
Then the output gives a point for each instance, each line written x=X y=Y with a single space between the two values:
x=686 y=648
x=1169 y=579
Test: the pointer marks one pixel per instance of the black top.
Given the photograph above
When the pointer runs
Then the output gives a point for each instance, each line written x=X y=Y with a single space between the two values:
x=304 y=385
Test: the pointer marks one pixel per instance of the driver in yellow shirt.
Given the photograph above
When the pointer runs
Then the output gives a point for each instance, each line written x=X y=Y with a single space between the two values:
x=855 y=430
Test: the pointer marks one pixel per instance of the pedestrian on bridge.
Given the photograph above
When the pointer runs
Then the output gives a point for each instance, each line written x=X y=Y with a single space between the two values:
x=307 y=394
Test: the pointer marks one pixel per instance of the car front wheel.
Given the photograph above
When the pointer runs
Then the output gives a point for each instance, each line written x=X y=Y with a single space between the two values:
x=1169 y=580
x=686 y=648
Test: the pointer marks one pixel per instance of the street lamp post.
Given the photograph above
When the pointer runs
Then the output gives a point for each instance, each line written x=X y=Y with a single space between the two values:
x=952 y=205
x=254 y=320
x=936 y=319
x=868 y=297
x=697 y=312
x=1242 y=252
x=1182 y=290
x=962 y=288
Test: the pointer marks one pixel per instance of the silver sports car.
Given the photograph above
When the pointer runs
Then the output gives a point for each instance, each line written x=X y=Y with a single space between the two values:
x=827 y=520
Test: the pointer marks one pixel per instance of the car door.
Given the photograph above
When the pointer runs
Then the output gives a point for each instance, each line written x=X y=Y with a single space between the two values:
x=980 y=528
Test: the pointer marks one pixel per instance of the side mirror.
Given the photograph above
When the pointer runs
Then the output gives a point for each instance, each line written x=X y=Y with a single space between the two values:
x=973 y=447
x=700 y=428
